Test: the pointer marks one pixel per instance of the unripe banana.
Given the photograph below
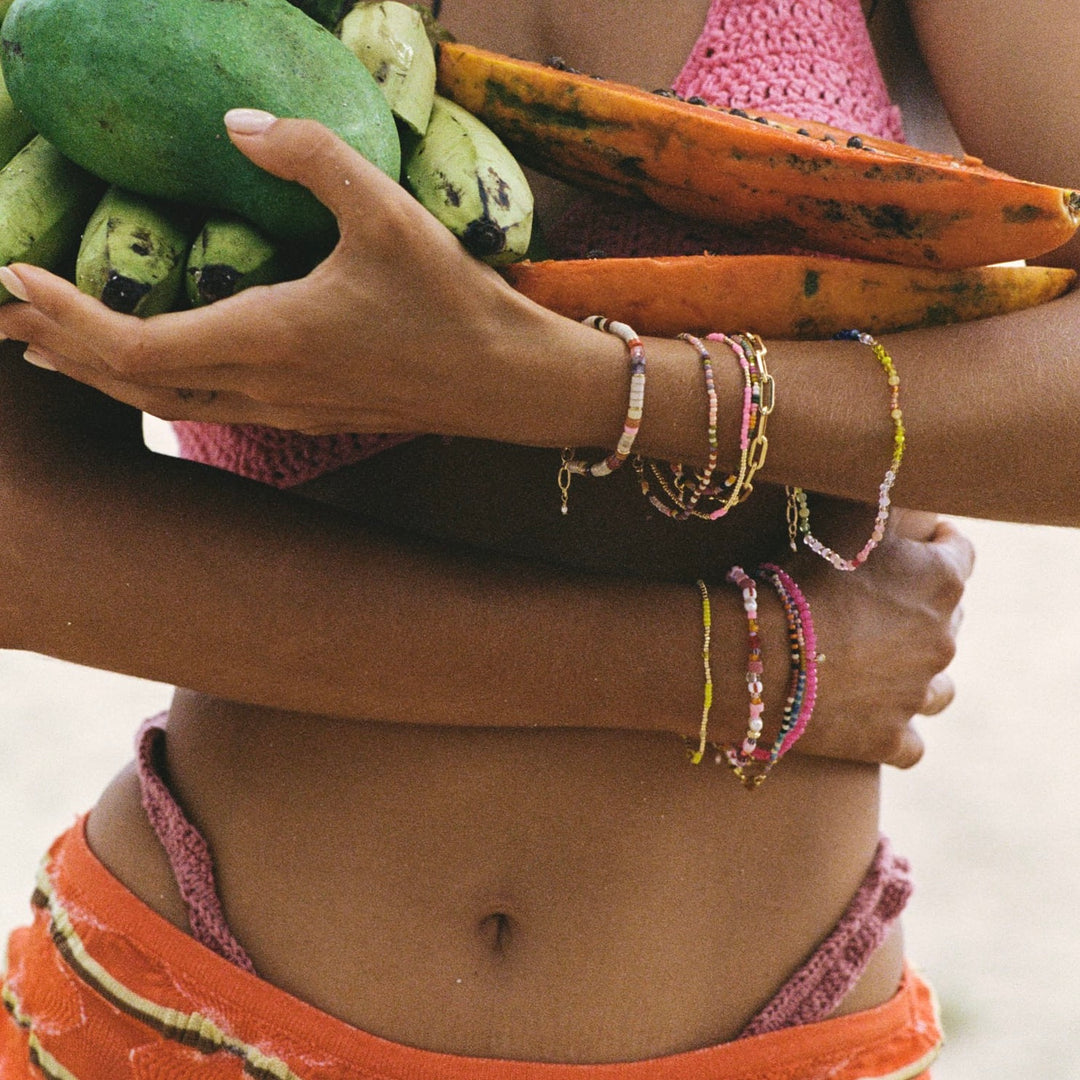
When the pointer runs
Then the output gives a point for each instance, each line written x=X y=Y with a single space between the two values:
x=132 y=253
x=461 y=171
x=230 y=254
x=391 y=41
x=15 y=129
x=44 y=203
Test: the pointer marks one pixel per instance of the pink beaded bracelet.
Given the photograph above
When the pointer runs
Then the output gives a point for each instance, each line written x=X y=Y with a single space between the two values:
x=798 y=513
x=750 y=762
x=802 y=688
x=742 y=757
x=570 y=466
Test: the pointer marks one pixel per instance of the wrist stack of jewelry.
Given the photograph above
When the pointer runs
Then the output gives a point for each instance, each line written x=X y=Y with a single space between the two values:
x=749 y=760
x=684 y=494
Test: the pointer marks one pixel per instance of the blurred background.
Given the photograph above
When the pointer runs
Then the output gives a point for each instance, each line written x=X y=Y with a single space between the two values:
x=990 y=818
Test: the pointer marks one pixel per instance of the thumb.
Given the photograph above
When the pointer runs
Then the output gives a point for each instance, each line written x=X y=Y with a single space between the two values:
x=307 y=152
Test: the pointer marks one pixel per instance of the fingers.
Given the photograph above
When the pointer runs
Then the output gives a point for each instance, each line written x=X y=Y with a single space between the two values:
x=167 y=350
x=59 y=319
x=909 y=750
x=939 y=695
x=202 y=403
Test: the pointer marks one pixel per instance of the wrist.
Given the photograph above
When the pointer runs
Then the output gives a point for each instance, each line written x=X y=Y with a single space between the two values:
x=558 y=381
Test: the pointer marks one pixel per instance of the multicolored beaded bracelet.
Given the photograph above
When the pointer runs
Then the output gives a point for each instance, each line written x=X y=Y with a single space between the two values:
x=570 y=466
x=802 y=640
x=798 y=512
x=742 y=757
x=682 y=496
x=750 y=762
x=706 y=623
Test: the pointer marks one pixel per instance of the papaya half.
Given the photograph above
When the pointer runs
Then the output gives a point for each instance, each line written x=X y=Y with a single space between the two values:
x=780 y=296
x=816 y=188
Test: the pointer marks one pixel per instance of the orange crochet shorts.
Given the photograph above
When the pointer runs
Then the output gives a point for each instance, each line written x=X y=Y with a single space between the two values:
x=100 y=987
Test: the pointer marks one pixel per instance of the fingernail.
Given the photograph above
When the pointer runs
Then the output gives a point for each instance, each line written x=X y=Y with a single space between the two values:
x=32 y=356
x=13 y=283
x=248 y=121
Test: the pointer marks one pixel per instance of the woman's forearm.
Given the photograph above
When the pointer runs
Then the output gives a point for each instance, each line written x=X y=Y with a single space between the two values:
x=449 y=348
x=991 y=410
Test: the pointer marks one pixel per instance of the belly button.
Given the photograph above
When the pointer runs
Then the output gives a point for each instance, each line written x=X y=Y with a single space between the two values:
x=496 y=930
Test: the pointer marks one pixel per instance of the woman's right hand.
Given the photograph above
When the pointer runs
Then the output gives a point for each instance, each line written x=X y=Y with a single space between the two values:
x=887 y=633
x=399 y=329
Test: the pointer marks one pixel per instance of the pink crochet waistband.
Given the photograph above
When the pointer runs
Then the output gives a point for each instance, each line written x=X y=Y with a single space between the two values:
x=810 y=995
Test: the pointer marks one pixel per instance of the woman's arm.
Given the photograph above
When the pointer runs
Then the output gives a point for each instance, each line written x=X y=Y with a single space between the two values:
x=1006 y=71
x=117 y=558
x=399 y=330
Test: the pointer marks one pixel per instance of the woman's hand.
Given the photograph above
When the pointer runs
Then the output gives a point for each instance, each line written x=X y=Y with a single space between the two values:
x=378 y=337
x=887 y=632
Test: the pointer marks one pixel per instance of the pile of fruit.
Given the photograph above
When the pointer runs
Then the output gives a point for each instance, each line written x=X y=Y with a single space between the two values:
x=128 y=180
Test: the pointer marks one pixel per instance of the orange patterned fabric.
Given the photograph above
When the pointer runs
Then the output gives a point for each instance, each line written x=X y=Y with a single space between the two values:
x=100 y=987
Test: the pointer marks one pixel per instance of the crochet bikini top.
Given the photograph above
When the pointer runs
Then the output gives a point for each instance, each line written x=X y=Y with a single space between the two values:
x=810 y=59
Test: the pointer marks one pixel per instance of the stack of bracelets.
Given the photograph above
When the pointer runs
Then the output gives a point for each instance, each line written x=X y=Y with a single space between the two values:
x=684 y=494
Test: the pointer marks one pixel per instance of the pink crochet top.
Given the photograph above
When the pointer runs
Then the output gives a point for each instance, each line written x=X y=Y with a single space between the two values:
x=810 y=59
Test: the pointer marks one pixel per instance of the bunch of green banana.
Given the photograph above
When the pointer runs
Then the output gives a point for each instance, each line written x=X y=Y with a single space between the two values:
x=391 y=41
x=461 y=171
x=230 y=254
x=137 y=254
x=44 y=203
x=452 y=163
x=132 y=253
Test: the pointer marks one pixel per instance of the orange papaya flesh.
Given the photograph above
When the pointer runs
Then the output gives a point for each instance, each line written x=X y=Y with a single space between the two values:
x=780 y=296
x=872 y=199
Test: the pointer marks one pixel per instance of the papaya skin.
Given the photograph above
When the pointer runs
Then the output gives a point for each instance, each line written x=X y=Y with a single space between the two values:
x=135 y=92
x=780 y=296
x=872 y=199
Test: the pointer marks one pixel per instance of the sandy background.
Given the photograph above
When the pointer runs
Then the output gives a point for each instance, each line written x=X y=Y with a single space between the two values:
x=990 y=818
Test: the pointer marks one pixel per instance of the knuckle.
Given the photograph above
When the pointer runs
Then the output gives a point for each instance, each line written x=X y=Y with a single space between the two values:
x=942 y=647
x=896 y=744
x=132 y=352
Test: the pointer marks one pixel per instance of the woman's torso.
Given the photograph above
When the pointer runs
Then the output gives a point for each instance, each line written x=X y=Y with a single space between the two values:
x=543 y=894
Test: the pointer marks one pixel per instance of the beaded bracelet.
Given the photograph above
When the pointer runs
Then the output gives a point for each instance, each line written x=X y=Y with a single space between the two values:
x=570 y=466
x=750 y=762
x=706 y=623
x=683 y=504
x=742 y=757
x=802 y=641
x=798 y=509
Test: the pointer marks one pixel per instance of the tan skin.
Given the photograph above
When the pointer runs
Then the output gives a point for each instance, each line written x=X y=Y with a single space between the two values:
x=477 y=874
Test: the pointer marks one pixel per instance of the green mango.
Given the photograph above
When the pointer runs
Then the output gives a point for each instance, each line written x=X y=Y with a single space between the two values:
x=135 y=92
